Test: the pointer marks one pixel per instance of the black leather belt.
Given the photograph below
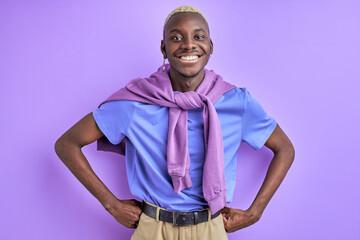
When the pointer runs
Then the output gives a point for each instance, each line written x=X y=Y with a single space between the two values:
x=179 y=219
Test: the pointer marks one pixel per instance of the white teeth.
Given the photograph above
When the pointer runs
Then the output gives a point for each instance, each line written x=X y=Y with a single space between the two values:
x=188 y=58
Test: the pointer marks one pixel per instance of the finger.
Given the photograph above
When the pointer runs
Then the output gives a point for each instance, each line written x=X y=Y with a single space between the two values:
x=225 y=215
x=136 y=202
x=133 y=202
x=138 y=217
x=133 y=226
x=230 y=230
x=134 y=217
x=231 y=213
x=225 y=225
x=133 y=209
x=138 y=211
x=225 y=210
x=230 y=224
x=225 y=221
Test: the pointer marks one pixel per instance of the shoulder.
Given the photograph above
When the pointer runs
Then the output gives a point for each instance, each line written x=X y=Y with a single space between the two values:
x=131 y=108
x=121 y=104
x=115 y=106
x=241 y=92
x=235 y=94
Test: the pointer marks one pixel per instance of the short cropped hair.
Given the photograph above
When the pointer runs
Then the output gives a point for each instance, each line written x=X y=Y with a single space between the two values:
x=184 y=9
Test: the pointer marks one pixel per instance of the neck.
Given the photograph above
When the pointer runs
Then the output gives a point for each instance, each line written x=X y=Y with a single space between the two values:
x=183 y=83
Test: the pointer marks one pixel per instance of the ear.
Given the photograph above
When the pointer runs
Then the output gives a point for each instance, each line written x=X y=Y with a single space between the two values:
x=162 y=48
x=211 y=47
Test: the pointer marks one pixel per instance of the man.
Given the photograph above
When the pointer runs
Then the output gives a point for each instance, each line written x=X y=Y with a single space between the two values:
x=182 y=127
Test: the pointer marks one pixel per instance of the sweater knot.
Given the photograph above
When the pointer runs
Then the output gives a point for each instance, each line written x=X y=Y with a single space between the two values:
x=189 y=100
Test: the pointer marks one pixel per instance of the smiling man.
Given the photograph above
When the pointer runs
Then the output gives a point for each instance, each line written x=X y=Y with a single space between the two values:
x=180 y=130
x=187 y=46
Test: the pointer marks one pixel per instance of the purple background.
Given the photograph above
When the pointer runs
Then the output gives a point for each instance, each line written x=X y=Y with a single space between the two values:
x=60 y=59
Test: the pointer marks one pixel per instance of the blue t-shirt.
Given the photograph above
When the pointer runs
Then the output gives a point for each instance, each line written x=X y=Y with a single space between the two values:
x=145 y=127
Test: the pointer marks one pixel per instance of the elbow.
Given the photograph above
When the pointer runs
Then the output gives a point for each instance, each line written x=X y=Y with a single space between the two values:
x=290 y=152
x=286 y=151
x=66 y=147
x=59 y=147
x=62 y=146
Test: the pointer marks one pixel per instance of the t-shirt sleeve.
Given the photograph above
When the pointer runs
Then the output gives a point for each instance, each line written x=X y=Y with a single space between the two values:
x=113 y=118
x=257 y=125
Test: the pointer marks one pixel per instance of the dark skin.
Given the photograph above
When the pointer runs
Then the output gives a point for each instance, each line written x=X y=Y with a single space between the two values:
x=185 y=35
x=284 y=153
x=188 y=46
x=68 y=148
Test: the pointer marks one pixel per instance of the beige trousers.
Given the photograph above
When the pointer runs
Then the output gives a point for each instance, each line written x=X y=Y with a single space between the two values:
x=153 y=229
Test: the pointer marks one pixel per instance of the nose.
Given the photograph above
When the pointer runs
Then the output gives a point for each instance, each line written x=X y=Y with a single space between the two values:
x=188 y=43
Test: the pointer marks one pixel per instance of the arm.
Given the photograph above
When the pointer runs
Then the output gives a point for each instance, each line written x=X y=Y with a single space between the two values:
x=68 y=148
x=284 y=153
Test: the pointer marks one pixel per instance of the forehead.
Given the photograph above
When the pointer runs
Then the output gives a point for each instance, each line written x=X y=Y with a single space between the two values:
x=186 y=22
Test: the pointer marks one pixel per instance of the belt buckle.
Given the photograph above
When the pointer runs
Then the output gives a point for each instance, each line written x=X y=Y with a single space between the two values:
x=179 y=219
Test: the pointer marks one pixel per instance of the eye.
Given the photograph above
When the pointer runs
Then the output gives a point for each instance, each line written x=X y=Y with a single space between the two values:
x=199 y=37
x=176 y=38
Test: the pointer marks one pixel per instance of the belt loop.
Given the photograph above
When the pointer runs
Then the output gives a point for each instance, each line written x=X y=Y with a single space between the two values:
x=209 y=215
x=174 y=218
x=196 y=217
x=157 y=214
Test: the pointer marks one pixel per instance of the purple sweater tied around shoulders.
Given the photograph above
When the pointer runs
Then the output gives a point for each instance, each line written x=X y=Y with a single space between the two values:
x=157 y=90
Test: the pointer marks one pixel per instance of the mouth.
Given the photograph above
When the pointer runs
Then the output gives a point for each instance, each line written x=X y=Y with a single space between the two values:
x=189 y=59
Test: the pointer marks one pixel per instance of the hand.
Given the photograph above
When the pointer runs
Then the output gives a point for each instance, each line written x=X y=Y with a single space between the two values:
x=126 y=212
x=235 y=219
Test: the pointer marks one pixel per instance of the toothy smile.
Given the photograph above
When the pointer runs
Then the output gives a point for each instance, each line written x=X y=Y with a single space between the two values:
x=189 y=58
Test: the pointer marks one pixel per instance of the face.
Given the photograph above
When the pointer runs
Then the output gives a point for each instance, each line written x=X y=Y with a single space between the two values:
x=187 y=44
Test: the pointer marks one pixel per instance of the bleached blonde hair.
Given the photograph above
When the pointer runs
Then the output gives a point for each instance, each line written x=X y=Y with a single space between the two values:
x=184 y=9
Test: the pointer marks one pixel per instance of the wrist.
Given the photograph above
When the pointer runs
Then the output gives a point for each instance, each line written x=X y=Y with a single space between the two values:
x=255 y=212
x=109 y=203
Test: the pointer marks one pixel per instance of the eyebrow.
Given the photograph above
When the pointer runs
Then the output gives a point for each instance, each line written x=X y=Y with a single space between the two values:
x=196 y=30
